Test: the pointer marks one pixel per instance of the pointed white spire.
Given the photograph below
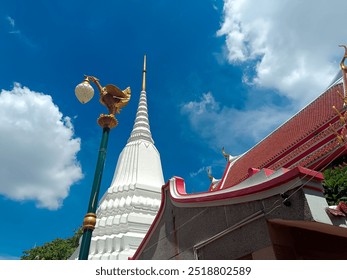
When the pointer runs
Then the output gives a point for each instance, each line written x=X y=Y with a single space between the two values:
x=132 y=201
x=141 y=129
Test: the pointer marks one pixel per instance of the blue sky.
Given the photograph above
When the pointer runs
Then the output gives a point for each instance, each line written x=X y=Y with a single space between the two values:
x=219 y=74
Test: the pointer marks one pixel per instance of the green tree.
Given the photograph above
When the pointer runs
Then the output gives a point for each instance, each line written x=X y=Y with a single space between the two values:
x=58 y=249
x=335 y=184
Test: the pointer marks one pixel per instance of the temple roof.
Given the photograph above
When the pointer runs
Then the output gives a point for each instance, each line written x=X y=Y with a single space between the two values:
x=292 y=144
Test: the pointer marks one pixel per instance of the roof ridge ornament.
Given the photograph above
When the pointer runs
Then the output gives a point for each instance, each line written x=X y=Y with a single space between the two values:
x=344 y=98
x=342 y=63
x=226 y=155
x=343 y=67
x=209 y=174
x=229 y=157
x=214 y=181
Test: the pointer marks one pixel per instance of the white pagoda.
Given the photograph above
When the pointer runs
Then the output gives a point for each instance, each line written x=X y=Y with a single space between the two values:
x=130 y=204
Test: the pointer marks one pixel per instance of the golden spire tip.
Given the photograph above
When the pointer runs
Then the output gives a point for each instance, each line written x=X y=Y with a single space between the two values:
x=144 y=74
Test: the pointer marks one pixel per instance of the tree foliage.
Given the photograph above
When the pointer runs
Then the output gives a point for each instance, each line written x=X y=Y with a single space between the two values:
x=335 y=184
x=58 y=249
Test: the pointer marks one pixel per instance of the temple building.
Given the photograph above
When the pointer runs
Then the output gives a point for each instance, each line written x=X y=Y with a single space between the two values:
x=269 y=203
x=130 y=204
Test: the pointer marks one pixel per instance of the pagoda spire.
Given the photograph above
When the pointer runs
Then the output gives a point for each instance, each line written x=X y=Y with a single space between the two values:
x=129 y=206
x=141 y=129
x=144 y=74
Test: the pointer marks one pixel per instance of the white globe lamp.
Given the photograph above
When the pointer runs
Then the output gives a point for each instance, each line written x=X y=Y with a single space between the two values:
x=84 y=92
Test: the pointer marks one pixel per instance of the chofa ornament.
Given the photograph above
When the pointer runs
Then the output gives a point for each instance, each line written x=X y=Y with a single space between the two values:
x=110 y=95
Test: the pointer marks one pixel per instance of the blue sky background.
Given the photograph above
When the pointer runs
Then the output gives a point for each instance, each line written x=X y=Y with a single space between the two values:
x=219 y=74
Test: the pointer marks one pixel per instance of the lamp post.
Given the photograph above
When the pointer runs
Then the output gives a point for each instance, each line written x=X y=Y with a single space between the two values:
x=114 y=99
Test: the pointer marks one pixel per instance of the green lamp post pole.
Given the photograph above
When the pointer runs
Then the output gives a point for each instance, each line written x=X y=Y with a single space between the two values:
x=114 y=99
x=90 y=218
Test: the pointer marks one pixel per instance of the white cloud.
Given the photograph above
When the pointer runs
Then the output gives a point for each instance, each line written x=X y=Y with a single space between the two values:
x=223 y=126
x=38 y=149
x=19 y=35
x=289 y=52
x=198 y=172
x=293 y=44
x=11 y=21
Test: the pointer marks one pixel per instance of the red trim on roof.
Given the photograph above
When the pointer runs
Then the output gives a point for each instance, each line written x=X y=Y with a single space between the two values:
x=252 y=171
x=319 y=164
x=311 y=150
x=180 y=186
x=221 y=183
x=299 y=171
x=306 y=139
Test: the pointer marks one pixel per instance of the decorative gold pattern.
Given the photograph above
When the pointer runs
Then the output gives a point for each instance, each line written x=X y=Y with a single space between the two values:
x=342 y=135
x=107 y=121
x=304 y=147
x=89 y=221
x=340 y=138
x=344 y=98
x=344 y=73
x=319 y=153
x=342 y=117
x=342 y=63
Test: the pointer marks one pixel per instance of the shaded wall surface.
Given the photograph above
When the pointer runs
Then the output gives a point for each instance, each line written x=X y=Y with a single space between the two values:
x=221 y=232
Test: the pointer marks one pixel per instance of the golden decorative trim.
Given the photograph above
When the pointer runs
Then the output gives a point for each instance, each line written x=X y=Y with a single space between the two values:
x=340 y=138
x=107 y=121
x=344 y=98
x=110 y=95
x=342 y=63
x=342 y=117
x=344 y=73
x=89 y=221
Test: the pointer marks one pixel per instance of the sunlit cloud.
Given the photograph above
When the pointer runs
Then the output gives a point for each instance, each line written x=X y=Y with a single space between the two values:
x=38 y=149
x=224 y=126
x=293 y=50
x=290 y=54
x=203 y=169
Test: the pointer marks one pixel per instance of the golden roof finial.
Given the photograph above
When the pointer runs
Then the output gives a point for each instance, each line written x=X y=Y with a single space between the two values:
x=209 y=174
x=342 y=65
x=144 y=74
x=225 y=154
x=342 y=118
x=340 y=138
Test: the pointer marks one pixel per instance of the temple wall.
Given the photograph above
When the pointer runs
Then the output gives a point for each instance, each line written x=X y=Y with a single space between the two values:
x=182 y=229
